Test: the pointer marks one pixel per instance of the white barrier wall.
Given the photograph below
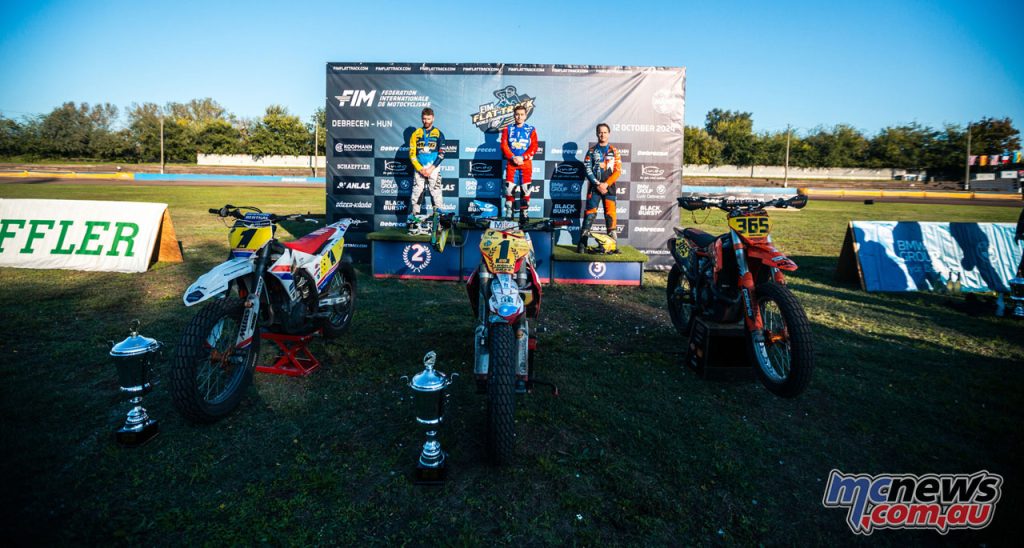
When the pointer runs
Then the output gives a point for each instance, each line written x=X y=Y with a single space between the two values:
x=778 y=172
x=244 y=160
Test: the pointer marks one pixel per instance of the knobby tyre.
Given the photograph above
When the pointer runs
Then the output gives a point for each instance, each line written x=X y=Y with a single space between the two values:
x=680 y=300
x=501 y=394
x=788 y=342
x=342 y=284
x=209 y=374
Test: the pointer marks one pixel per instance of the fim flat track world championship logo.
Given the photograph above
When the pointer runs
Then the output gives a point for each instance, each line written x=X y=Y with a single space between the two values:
x=890 y=501
x=494 y=116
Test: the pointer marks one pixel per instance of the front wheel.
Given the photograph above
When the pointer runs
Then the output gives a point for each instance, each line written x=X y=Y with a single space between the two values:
x=341 y=290
x=210 y=372
x=783 y=350
x=680 y=300
x=501 y=428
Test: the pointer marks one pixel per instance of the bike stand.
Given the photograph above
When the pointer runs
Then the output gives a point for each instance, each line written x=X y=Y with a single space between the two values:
x=295 y=360
x=718 y=351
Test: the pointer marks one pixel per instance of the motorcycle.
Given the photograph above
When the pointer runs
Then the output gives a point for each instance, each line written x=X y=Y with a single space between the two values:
x=295 y=288
x=738 y=276
x=505 y=294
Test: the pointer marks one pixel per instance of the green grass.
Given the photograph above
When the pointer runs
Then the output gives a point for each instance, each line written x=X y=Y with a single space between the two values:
x=635 y=450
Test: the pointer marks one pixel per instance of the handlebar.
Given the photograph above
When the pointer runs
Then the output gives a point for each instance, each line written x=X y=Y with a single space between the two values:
x=693 y=203
x=235 y=212
x=448 y=219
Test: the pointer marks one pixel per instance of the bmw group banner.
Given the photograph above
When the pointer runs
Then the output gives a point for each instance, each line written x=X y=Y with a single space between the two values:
x=373 y=108
x=917 y=256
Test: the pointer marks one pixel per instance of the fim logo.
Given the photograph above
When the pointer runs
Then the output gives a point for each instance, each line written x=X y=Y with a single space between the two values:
x=356 y=98
x=597 y=270
x=416 y=257
x=932 y=501
x=492 y=117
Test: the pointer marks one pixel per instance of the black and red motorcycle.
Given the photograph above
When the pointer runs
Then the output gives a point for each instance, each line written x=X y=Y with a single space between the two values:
x=737 y=276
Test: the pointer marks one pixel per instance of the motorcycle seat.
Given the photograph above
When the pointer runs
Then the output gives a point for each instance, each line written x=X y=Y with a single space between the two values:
x=312 y=242
x=698 y=236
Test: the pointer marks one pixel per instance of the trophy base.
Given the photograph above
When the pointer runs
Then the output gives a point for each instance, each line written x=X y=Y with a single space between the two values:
x=130 y=437
x=431 y=475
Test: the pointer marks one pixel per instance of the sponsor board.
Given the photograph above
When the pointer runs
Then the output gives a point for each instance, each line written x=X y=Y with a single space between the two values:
x=650 y=231
x=387 y=205
x=565 y=209
x=645 y=172
x=385 y=222
x=659 y=191
x=354 y=168
x=485 y=151
x=350 y=206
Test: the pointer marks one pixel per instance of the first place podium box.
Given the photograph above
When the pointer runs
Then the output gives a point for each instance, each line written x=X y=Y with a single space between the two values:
x=719 y=351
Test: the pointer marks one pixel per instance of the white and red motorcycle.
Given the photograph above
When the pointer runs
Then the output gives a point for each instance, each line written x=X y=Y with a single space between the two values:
x=294 y=288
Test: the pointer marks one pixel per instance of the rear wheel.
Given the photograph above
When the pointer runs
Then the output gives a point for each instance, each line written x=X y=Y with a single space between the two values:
x=680 y=300
x=210 y=373
x=784 y=349
x=343 y=288
x=500 y=394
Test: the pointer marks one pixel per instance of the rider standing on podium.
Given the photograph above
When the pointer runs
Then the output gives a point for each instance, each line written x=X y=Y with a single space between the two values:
x=519 y=144
x=603 y=165
x=426 y=151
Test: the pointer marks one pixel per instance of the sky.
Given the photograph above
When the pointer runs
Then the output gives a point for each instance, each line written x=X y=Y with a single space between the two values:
x=870 y=64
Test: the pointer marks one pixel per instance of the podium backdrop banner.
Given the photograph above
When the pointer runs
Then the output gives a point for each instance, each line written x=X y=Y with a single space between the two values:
x=373 y=108
x=85 y=235
x=910 y=256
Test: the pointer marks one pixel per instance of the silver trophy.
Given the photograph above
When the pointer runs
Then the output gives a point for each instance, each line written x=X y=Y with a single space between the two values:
x=429 y=397
x=134 y=358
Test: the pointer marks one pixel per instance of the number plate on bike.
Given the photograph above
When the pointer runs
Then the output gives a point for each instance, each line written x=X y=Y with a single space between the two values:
x=751 y=226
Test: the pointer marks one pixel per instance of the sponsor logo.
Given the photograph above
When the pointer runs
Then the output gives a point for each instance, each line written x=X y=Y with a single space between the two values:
x=416 y=256
x=651 y=172
x=659 y=153
x=394 y=206
x=451 y=149
x=480 y=169
x=482 y=150
x=391 y=224
x=597 y=270
x=564 y=209
x=353 y=205
x=354 y=185
x=354 y=147
x=358 y=68
x=427 y=68
x=353 y=167
x=356 y=98
x=649 y=210
x=646 y=191
x=394 y=148
x=392 y=168
x=495 y=115
x=653 y=229
x=941 y=502
x=567 y=169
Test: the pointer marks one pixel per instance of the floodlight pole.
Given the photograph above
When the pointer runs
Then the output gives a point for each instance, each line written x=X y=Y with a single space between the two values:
x=785 y=179
x=967 y=161
x=316 y=143
x=161 y=145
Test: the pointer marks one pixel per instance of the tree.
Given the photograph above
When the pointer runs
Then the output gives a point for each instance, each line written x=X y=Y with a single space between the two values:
x=218 y=137
x=279 y=133
x=839 y=146
x=994 y=136
x=771 y=149
x=735 y=131
x=908 y=146
x=65 y=131
x=320 y=126
x=700 y=148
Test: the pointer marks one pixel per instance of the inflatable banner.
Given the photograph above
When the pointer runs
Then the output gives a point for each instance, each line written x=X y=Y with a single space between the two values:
x=373 y=109
x=912 y=256
x=86 y=235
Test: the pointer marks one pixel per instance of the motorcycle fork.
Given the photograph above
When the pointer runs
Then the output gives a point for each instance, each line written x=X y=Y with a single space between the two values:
x=752 y=312
x=252 y=303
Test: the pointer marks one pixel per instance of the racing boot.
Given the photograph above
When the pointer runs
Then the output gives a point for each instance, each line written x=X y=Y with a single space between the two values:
x=524 y=212
x=588 y=222
x=613 y=233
